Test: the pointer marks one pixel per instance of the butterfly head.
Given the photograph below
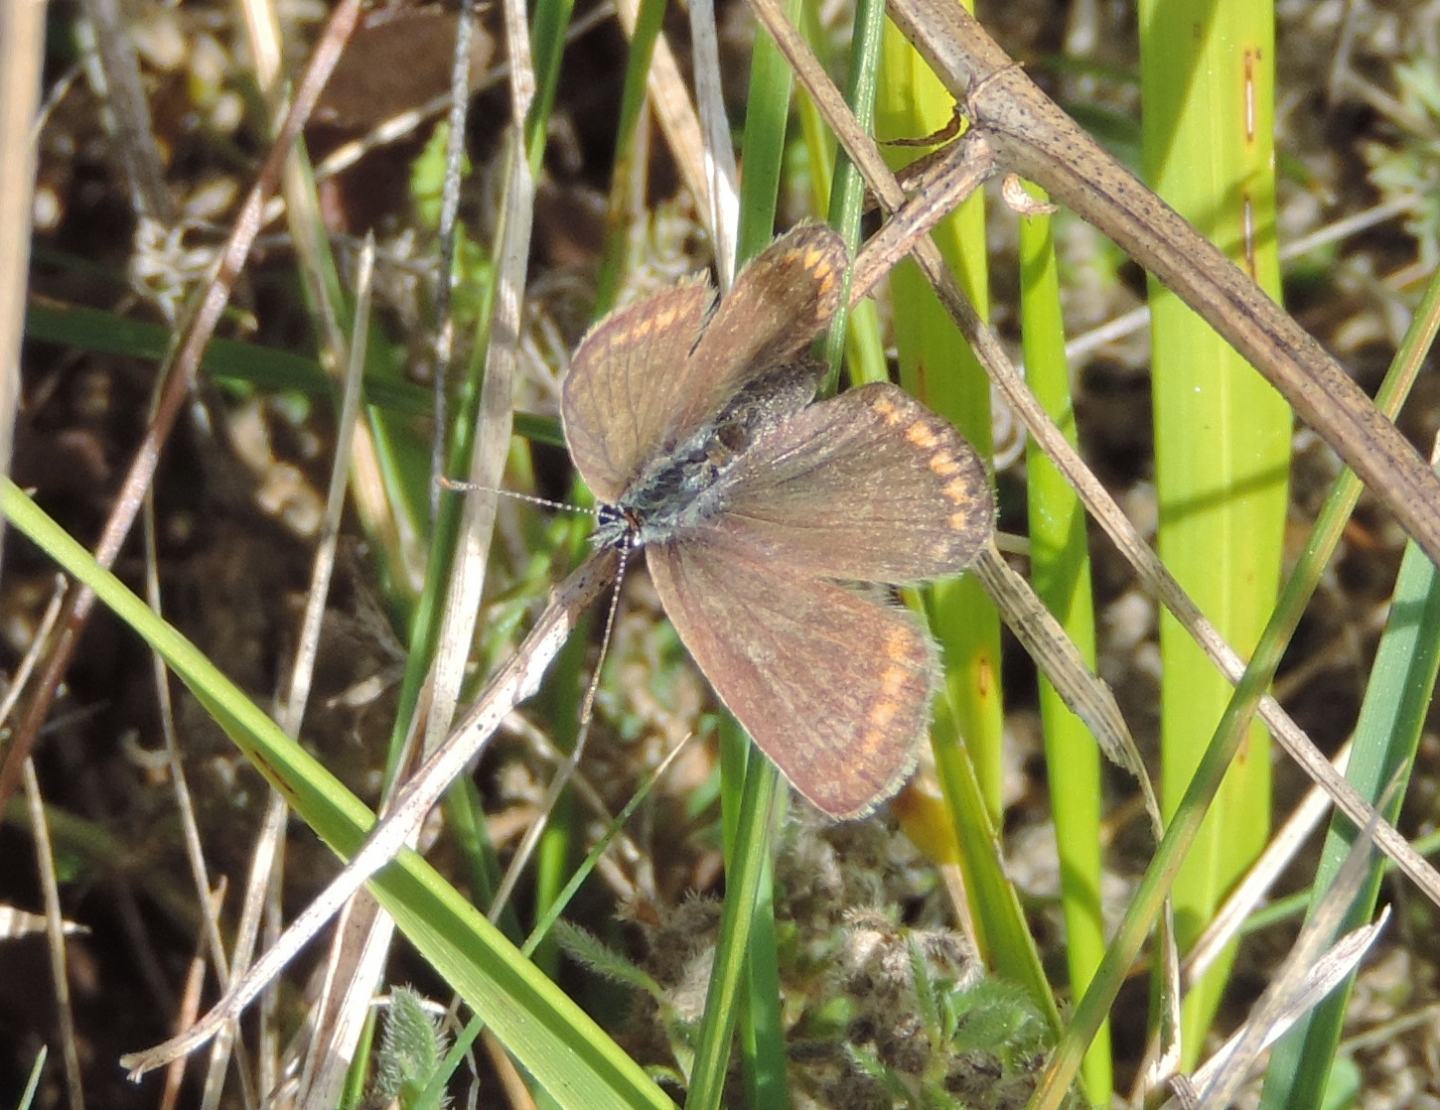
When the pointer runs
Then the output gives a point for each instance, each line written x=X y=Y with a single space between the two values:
x=615 y=526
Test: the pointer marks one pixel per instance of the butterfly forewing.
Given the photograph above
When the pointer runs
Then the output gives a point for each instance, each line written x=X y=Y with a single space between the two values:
x=779 y=303
x=623 y=397
x=869 y=486
x=833 y=684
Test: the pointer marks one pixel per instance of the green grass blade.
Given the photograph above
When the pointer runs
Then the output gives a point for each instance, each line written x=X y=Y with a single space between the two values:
x=229 y=361
x=1402 y=684
x=846 y=194
x=1002 y=935
x=613 y=257
x=767 y=114
x=547 y=47
x=1060 y=568
x=32 y=1085
x=1300 y=1061
x=840 y=191
x=762 y=1016
x=744 y=867
x=556 y=854
x=1222 y=435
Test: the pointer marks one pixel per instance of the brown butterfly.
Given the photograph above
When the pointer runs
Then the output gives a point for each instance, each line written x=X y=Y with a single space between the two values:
x=771 y=522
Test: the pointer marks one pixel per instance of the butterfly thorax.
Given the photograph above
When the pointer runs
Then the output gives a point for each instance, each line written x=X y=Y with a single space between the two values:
x=687 y=484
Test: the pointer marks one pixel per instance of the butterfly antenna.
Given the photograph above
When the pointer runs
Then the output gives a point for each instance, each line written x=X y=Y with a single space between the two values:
x=567 y=769
x=587 y=707
x=469 y=487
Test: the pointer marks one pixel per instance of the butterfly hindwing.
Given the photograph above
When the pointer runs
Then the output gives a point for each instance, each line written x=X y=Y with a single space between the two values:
x=833 y=684
x=868 y=486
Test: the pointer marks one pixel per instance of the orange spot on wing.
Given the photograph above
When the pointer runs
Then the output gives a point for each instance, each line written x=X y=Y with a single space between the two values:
x=887 y=410
x=922 y=435
x=900 y=654
x=899 y=643
x=958 y=490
